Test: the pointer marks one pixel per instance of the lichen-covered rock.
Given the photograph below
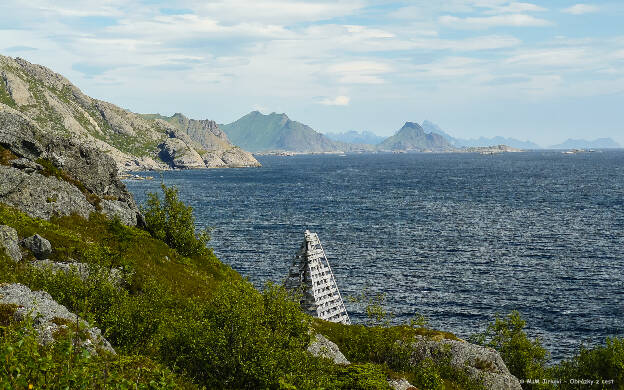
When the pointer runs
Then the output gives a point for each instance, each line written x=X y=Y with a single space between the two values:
x=40 y=196
x=9 y=241
x=39 y=246
x=83 y=178
x=400 y=384
x=323 y=347
x=481 y=363
x=51 y=318
x=26 y=165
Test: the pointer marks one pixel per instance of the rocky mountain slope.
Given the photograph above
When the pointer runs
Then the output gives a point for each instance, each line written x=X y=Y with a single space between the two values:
x=412 y=137
x=58 y=107
x=257 y=132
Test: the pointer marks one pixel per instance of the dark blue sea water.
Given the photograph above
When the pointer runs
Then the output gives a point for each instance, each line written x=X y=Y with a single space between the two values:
x=456 y=237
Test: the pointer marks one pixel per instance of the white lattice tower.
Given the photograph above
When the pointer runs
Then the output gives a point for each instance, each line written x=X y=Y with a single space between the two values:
x=311 y=270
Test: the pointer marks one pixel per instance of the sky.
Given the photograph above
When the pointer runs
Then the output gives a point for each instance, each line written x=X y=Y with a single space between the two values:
x=543 y=70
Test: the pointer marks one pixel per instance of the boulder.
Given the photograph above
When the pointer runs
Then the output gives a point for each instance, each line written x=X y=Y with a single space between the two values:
x=323 y=347
x=400 y=384
x=83 y=270
x=39 y=246
x=481 y=363
x=9 y=241
x=51 y=318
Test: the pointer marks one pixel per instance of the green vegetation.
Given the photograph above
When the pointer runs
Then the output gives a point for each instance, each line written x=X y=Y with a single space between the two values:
x=527 y=359
x=190 y=315
x=524 y=358
x=27 y=364
x=389 y=347
x=171 y=221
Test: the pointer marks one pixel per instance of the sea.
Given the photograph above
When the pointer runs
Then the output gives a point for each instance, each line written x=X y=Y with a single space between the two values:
x=458 y=238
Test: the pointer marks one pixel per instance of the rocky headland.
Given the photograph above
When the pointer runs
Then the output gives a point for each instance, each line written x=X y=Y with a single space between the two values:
x=134 y=142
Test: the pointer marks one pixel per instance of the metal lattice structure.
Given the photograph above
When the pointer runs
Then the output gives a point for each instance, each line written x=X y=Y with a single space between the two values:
x=311 y=271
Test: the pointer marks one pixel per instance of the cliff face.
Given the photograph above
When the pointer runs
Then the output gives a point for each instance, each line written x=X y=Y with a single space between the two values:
x=58 y=107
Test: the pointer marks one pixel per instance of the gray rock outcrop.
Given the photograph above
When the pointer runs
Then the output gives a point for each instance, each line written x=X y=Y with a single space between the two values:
x=9 y=241
x=77 y=179
x=50 y=318
x=481 y=363
x=39 y=246
x=321 y=346
x=179 y=154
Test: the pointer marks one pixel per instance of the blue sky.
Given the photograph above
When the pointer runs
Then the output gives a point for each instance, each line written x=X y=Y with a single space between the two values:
x=543 y=71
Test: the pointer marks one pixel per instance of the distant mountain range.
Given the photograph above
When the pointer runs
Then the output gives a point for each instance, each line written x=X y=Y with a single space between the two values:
x=412 y=137
x=258 y=132
x=600 y=143
x=354 y=137
x=482 y=141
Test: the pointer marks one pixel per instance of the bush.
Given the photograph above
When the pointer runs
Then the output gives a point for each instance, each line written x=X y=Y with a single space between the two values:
x=525 y=358
x=27 y=364
x=603 y=363
x=171 y=221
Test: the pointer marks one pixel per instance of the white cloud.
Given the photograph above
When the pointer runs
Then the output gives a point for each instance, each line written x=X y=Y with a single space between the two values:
x=507 y=20
x=553 y=57
x=359 y=72
x=515 y=8
x=337 y=101
x=580 y=9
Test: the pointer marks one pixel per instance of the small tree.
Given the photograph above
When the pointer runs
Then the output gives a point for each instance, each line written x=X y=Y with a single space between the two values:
x=525 y=358
x=171 y=221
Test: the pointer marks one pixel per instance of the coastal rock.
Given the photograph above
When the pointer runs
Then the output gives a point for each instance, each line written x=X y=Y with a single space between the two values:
x=51 y=318
x=39 y=246
x=323 y=347
x=9 y=241
x=231 y=158
x=481 y=363
x=178 y=154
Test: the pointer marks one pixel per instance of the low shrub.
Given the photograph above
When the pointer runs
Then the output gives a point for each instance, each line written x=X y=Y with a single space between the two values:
x=171 y=221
